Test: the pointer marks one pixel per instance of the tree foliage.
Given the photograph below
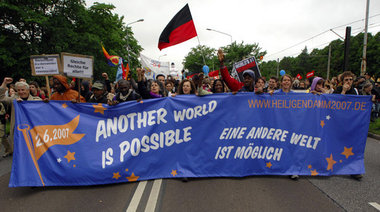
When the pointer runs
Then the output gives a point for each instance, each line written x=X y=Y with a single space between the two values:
x=55 y=26
x=317 y=59
x=234 y=52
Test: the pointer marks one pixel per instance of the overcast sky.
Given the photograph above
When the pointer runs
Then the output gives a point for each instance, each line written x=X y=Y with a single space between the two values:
x=274 y=24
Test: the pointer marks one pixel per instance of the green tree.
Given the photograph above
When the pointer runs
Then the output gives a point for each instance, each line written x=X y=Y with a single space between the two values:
x=51 y=27
x=193 y=61
x=268 y=69
x=236 y=52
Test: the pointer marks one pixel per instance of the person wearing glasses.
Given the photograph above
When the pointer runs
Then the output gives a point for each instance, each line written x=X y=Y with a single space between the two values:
x=347 y=79
x=347 y=87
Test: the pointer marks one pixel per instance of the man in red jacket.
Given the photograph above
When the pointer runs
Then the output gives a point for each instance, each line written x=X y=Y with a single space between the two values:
x=248 y=85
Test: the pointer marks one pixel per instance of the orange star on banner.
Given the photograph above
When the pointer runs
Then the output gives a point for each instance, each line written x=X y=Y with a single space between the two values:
x=314 y=172
x=269 y=164
x=132 y=178
x=116 y=175
x=330 y=162
x=174 y=173
x=64 y=105
x=69 y=156
x=99 y=108
x=309 y=166
x=322 y=123
x=347 y=152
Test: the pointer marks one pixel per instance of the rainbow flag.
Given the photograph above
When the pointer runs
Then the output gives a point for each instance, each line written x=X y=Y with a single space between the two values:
x=112 y=60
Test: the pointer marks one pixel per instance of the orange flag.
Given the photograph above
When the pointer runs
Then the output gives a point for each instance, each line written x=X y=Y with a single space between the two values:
x=46 y=136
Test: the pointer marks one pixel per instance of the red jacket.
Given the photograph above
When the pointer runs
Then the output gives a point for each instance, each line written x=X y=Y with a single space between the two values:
x=232 y=83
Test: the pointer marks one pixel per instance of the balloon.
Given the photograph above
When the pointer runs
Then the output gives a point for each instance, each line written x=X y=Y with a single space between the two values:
x=282 y=72
x=206 y=69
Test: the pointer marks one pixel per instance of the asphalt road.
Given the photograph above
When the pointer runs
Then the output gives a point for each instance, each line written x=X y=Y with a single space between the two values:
x=256 y=193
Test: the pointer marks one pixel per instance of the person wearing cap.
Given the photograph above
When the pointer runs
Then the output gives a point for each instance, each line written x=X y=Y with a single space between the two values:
x=63 y=91
x=100 y=95
x=248 y=84
x=22 y=94
x=368 y=77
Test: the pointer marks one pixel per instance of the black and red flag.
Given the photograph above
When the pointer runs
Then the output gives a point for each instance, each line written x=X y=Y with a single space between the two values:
x=180 y=29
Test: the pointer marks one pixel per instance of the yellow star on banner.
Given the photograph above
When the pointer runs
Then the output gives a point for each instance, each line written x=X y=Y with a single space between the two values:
x=314 y=172
x=269 y=164
x=64 y=105
x=322 y=123
x=69 y=156
x=116 y=175
x=132 y=178
x=330 y=162
x=309 y=166
x=174 y=173
x=347 y=152
x=99 y=108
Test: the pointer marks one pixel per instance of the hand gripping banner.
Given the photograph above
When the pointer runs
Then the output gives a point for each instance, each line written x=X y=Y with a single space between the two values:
x=221 y=135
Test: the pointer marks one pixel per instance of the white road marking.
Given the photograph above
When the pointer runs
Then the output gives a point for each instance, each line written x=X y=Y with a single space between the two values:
x=153 y=197
x=375 y=205
x=136 y=197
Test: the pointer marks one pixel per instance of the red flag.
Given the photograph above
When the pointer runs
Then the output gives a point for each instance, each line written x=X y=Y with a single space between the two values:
x=191 y=76
x=299 y=76
x=125 y=71
x=213 y=73
x=180 y=29
x=310 y=74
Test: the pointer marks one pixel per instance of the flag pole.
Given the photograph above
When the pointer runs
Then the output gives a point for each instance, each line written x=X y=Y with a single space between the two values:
x=203 y=56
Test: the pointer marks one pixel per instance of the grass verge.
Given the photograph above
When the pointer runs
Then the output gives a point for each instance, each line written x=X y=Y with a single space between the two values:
x=374 y=127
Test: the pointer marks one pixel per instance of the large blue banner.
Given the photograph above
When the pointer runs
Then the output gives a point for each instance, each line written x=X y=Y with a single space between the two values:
x=63 y=144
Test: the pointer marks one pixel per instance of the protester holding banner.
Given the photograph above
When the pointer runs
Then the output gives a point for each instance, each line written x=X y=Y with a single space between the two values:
x=63 y=90
x=23 y=94
x=272 y=85
x=318 y=86
x=155 y=86
x=186 y=87
x=126 y=93
x=260 y=84
x=218 y=86
x=100 y=94
x=286 y=85
x=347 y=78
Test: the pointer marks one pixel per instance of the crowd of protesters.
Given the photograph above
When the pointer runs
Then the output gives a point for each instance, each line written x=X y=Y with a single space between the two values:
x=103 y=91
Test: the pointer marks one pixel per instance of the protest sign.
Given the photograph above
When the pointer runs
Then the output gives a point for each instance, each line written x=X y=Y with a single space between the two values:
x=45 y=65
x=78 y=66
x=154 y=67
x=241 y=66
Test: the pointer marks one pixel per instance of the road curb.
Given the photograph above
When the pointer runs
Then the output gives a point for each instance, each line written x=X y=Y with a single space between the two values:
x=375 y=136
